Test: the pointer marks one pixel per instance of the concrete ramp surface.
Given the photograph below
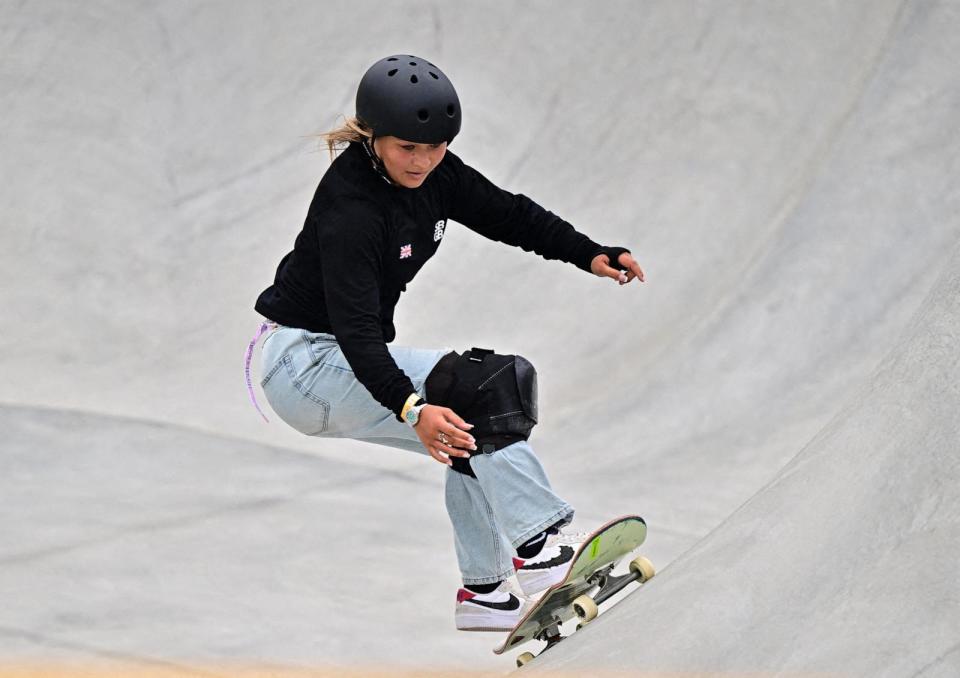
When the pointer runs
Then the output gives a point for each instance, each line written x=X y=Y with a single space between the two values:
x=779 y=400
x=846 y=563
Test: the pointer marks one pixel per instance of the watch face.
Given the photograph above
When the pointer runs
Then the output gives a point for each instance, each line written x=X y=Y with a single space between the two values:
x=412 y=416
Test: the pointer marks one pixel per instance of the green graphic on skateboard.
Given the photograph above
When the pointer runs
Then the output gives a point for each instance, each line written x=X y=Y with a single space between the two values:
x=588 y=584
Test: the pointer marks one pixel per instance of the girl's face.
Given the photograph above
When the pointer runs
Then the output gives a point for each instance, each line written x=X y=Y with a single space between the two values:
x=407 y=163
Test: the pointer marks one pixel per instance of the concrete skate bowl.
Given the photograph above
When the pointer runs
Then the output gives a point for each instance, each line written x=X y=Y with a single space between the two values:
x=845 y=564
x=787 y=175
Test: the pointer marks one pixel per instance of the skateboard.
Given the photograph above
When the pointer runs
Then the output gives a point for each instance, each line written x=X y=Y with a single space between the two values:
x=575 y=595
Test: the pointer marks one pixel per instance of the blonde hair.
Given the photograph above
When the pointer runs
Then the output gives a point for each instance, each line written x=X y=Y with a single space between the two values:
x=352 y=130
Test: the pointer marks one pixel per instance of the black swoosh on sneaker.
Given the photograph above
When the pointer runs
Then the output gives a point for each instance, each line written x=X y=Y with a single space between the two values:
x=512 y=603
x=566 y=554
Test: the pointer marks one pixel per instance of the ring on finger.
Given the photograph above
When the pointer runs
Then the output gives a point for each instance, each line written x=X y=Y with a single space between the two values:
x=444 y=439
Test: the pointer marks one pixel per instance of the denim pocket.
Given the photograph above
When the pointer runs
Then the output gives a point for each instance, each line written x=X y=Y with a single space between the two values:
x=293 y=402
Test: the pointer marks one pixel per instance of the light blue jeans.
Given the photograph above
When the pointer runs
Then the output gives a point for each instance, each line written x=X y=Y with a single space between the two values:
x=310 y=386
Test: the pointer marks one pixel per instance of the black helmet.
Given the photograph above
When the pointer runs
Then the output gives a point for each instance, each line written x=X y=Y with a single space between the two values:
x=408 y=97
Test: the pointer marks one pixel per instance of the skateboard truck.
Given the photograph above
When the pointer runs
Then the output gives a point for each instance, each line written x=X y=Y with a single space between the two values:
x=586 y=606
x=551 y=634
x=599 y=578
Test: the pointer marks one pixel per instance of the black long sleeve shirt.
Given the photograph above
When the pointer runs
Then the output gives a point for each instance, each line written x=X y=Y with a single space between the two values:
x=364 y=239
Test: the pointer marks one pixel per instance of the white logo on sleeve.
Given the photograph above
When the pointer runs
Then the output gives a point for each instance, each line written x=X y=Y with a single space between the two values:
x=438 y=230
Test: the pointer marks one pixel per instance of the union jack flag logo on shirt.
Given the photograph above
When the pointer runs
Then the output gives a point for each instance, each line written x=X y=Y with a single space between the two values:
x=406 y=251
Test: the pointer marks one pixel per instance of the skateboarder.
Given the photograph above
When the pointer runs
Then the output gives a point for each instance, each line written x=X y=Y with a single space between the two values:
x=379 y=213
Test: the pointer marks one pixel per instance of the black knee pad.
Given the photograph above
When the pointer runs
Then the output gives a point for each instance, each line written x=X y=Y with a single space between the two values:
x=496 y=393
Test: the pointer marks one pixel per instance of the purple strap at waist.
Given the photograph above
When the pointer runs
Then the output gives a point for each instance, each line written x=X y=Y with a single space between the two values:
x=264 y=328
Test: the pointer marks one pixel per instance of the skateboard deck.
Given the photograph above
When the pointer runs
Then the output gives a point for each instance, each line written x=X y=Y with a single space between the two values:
x=589 y=569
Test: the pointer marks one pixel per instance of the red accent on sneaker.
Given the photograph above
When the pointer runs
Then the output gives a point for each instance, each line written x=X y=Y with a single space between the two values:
x=463 y=595
x=518 y=563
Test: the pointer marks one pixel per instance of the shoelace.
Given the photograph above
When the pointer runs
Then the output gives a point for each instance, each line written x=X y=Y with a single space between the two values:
x=570 y=537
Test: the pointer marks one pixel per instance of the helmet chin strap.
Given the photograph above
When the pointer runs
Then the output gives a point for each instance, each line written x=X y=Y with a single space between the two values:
x=376 y=161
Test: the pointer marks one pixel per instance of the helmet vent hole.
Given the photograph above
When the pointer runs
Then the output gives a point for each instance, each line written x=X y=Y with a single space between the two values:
x=423 y=114
x=393 y=59
x=434 y=75
x=414 y=79
x=413 y=63
x=451 y=110
x=392 y=73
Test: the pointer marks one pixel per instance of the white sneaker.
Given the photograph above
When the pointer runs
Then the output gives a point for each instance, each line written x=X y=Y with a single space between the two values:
x=499 y=610
x=551 y=565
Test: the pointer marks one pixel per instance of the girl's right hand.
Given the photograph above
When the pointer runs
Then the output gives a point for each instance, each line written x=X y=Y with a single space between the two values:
x=455 y=441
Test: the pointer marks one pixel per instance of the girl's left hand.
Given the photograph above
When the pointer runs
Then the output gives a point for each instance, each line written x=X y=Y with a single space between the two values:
x=601 y=266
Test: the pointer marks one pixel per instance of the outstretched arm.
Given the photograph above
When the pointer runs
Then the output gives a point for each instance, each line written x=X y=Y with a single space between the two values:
x=517 y=220
x=514 y=219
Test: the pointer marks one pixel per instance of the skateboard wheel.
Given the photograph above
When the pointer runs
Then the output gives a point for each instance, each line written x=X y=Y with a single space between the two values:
x=524 y=659
x=585 y=608
x=643 y=567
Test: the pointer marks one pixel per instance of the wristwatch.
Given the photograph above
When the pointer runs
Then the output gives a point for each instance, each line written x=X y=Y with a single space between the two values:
x=412 y=416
